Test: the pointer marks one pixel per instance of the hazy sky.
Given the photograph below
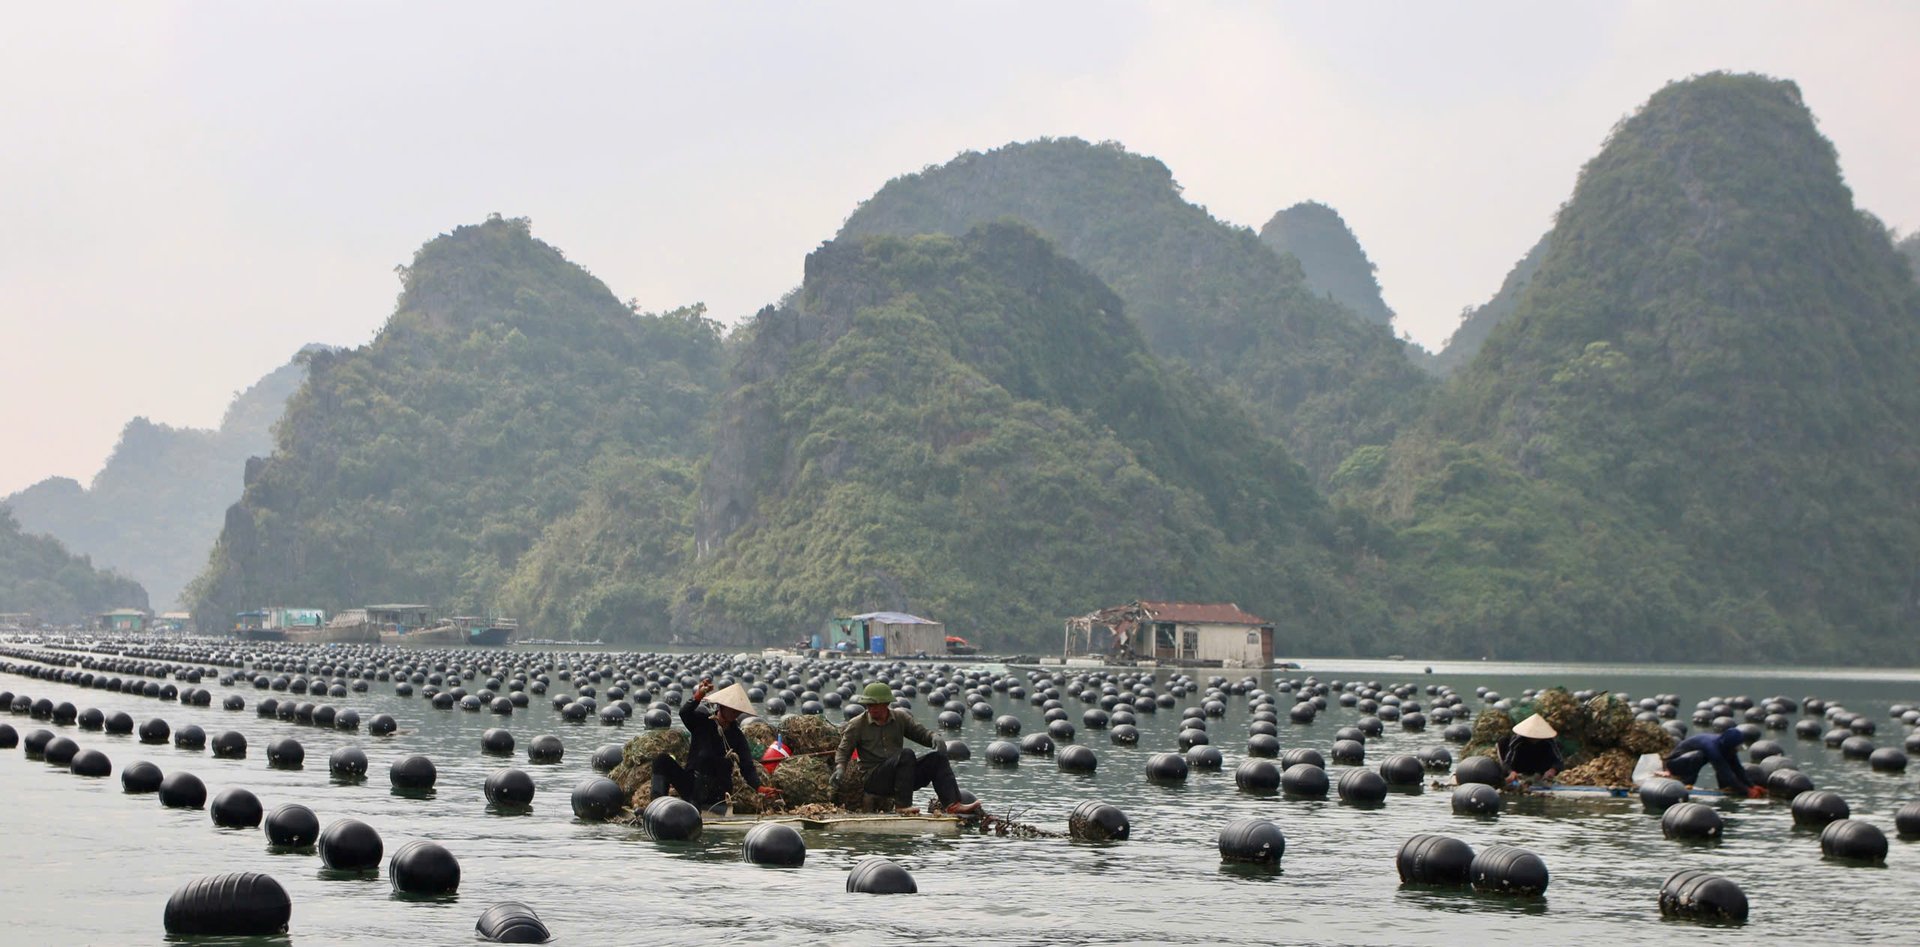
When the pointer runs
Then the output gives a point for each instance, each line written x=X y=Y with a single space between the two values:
x=190 y=192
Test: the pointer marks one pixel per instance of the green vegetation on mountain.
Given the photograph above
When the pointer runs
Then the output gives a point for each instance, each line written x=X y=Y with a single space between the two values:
x=1476 y=323
x=40 y=577
x=154 y=510
x=1330 y=256
x=425 y=465
x=1697 y=434
x=973 y=428
x=1910 y=248
x=1206 y=295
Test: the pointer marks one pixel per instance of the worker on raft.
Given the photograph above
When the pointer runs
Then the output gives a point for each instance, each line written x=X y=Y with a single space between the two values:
x=1532 y=750
x=1722 y=750
x=707 y=778
x=880 y=735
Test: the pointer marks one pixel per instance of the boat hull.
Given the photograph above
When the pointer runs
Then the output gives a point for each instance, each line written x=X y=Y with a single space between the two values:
x=448 y=637
x=343 y=634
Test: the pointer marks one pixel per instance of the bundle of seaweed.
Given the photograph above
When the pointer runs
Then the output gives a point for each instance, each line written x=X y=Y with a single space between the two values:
x=1608 y=718
x=1565 y=714
x=635 y=772
x=803 y=781
x=1489 y=729
x=759 y=733
x=1645 y=736
x=807 y=734
x=1610 y=768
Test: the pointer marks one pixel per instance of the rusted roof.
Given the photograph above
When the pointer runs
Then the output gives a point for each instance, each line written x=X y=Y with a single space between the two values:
x=1202 y=613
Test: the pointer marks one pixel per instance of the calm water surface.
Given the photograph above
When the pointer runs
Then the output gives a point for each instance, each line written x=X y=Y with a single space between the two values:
x=86 y=864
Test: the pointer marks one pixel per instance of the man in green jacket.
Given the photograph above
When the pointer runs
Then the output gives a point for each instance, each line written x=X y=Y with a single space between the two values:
x=880 y=736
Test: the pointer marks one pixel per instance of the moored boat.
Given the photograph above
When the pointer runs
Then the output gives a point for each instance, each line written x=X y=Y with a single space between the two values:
x=459 y=631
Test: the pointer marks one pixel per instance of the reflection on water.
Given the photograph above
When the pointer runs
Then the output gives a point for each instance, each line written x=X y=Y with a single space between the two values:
x=92 y=865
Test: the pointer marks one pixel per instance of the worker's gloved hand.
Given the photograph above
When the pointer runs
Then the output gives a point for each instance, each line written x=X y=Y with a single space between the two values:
x=839 y=773
x=700 y=691
x=768 y=791
x=1756 y=792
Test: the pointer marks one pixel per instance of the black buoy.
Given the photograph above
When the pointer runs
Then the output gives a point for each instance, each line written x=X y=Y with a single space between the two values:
x=1435 y=758
x=60 y=751
x=1787 y=783
x=608 y=756
x=1098 y=822
x=1401 y=770
x=775 y=843
x=509 y=788
x=1007 y=725
x=1252 y=840
x=229 y=745
x=1003 y=753
x=1504 y=869
x=1361 y=787
x=242 y=904
x=498 y=741
x=235 y=808
x=292 y=826
x=1263 y=745
x=1476 y=799
x=1702 y=896
x=286 y=753
x=141 y=777
x=424 y=868
x=958 y=751
x=347 y=762
x=381 y=725
x=1888 y=759
x=1428 y=859
x=1658 y=794
x=412 y=772
x=1301 y=754
x=1480 y=769
x=350 y=845
x=1205 y=758
x=1036 y=744
x=182 y=791
x=91 y=763
x=1815 y=808
x=1256 y=776
x=9 y=737
x=190 y=737
x=1124 y=734
x=546 y=748
x=155 y=731
x=1853 y=840
x=91 y=719
x=597 y=799
x=119 y=722
x=35 y=743
x=1907 y=820
x=1350 y=752
x=670 y=819
x=876 y=875
x=1691 y=820
x=1075 y=758
x=1167 y=768
x=511 y=922
x=1305 y=781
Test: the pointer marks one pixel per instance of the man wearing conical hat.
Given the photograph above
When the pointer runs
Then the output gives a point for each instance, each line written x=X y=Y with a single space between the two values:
x=1531 y=750
x=880 y=736
x=707 y=777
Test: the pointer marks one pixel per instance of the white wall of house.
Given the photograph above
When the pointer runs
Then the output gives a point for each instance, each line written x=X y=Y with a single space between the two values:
x=1225 y=643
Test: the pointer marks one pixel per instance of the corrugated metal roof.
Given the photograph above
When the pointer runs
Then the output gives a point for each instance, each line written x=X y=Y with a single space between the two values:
x=1203 y=613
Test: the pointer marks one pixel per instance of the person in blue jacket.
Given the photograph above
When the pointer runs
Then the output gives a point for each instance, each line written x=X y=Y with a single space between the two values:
x=1722 y=750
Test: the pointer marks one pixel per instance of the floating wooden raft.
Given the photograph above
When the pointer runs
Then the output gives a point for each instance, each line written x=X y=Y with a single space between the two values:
x=1625 y=792
x=880 y=823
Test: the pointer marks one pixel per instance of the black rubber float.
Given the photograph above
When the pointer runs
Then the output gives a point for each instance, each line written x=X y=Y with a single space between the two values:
x=421 y=867
x=1702 y=896
x=670 y=819
x=511 y=922
x=1429 y=859
x=240 y=904
x=509 y=788
x=291 y=826
x=1253 y=841
x=877 y=875
x=350 y=845
x=1093 y=821
x=773 y=843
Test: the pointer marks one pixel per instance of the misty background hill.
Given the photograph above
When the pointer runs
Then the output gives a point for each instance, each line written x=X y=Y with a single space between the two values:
x=153 y=512
x=1036 y=380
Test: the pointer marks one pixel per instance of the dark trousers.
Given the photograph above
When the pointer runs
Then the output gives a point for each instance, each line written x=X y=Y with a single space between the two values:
x=692 y=786
x=1686 y=769
x=904 y=773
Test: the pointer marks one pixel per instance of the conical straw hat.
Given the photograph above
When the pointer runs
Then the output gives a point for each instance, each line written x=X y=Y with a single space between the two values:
x=734 y=697
x=1535 y=726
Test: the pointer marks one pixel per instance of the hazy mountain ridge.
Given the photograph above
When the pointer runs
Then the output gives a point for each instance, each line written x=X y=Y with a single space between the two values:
x=40 y=577
x=1699 y=427
x=154 y=509
x=422 y=466
x=1206 y=294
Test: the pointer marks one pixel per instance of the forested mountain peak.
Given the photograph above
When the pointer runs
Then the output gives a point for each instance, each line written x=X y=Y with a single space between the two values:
x=971 y=426
x=1206 y=294
x=424 y=465
x=1330 y=256
x=1708 y=383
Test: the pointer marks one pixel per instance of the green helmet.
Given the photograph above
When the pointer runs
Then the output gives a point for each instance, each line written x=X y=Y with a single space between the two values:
x=876 y=693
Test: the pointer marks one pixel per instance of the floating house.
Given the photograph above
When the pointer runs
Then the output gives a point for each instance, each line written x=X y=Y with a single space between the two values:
x=1184 y=634
x=883 y=633
x=123 y=619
